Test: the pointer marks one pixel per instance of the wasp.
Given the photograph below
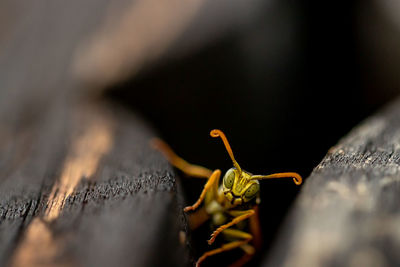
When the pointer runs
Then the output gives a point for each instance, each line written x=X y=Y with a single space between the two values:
x=227 y=204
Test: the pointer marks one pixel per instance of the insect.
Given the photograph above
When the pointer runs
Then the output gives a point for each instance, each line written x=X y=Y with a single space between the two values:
x=227 y=204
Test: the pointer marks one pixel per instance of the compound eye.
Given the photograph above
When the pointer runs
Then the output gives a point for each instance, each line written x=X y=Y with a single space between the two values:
x=252 y=191
x=229 y=178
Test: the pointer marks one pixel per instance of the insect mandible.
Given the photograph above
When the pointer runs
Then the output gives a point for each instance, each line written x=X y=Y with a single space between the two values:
x=226 y=204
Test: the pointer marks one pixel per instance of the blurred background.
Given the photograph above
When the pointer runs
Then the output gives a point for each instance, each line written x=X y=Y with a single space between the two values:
x=284 y=79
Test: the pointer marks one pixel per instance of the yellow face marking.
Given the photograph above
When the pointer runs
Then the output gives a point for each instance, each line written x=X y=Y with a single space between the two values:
x=242 y=182
x=236 y=193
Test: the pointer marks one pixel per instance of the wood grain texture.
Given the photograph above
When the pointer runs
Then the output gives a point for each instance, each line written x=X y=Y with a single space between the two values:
x=92 y=192
x=79 y=183
x=348 y=213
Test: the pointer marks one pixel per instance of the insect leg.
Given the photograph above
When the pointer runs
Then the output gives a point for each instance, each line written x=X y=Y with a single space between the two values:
x=239 y=215
x=248 y=255
x=197 y=218
x=229 y=246
x=190 y=169
x=200 y=216
x=214 y=178
x=255 y=229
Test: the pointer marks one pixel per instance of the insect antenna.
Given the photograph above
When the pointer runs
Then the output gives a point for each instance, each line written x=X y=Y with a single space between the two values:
x=219 y=133
x=296 y=177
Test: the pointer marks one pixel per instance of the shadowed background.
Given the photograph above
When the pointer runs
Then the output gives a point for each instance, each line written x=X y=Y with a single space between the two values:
x=283 y=79
x=284 y=84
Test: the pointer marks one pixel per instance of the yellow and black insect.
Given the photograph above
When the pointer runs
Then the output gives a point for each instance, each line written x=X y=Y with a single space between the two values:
x=227 y=204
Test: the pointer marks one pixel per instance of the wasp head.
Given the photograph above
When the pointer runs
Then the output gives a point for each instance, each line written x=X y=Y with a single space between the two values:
x=238 y=187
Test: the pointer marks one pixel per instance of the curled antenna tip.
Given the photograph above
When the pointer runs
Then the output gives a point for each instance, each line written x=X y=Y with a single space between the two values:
x=215 y=133
x=297 y=180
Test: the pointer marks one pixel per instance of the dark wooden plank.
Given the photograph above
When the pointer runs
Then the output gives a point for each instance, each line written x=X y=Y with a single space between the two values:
x=348 y=213
x=92 y=192
x=79 y=184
